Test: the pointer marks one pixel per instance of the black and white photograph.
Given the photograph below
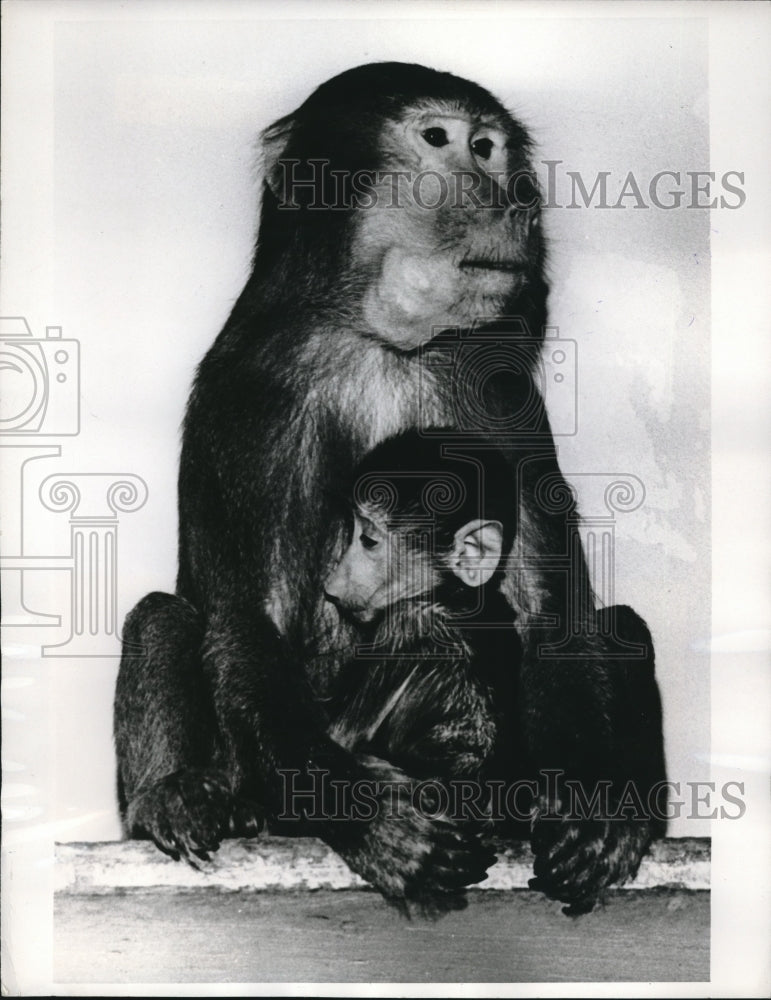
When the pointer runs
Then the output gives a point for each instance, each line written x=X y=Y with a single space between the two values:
x=385 y=539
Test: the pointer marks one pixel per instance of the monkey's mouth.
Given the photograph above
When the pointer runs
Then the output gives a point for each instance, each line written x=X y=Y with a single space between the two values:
x=483 y=264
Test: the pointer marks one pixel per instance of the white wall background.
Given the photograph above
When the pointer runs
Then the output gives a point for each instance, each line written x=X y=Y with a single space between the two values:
x=134 y=183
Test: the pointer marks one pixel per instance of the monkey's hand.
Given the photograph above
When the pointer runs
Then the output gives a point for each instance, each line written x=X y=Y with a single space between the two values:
x=413 y=293
x=417 y=856
x=187 y=814
x=576 y=861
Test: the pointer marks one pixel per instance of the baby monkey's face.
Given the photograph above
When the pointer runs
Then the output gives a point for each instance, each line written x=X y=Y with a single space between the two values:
x=389 y=562
x=380 y=566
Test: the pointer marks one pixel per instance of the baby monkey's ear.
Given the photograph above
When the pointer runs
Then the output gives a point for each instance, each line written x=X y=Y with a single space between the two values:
x=476 y=552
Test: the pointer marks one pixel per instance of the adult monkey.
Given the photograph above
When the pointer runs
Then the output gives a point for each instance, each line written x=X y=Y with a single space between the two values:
x=398 y=202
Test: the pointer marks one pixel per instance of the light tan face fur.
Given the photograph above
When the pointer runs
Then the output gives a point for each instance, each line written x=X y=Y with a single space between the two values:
x=445 y=249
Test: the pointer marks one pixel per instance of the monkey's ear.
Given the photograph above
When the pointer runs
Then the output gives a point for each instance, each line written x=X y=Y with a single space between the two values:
x=275 y=140
x=477 y=550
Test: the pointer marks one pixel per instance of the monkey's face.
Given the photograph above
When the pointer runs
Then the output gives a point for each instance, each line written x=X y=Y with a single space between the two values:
x=405 y=198
x=377 y=569
x=451 y=225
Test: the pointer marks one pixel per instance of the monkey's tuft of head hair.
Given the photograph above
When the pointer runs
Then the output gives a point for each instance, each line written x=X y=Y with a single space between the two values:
x=345 y=114
x=430 y=486
x=387 y=87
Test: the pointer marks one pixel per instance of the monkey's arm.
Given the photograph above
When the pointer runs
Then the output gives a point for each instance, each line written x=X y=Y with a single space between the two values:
x=587 y=711
x=597 y=725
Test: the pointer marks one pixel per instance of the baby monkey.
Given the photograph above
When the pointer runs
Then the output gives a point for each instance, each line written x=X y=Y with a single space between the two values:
x=433 y=681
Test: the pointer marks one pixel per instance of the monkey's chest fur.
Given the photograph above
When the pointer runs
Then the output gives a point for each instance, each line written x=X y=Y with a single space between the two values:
x=346 y=394
x=374 y=390
x=315 y=409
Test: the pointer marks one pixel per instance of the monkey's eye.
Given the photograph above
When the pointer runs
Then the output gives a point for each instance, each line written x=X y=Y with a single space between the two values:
x=367 y=542
x=482 y=148
x=435 y=136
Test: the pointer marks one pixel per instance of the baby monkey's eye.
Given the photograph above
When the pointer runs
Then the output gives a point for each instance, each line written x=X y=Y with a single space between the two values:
x=435 y=136
x=367 y=542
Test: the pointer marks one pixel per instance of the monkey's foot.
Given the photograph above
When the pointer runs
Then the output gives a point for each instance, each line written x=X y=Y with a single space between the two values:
x=187 y=814
x=419 y=858
x=576 y=862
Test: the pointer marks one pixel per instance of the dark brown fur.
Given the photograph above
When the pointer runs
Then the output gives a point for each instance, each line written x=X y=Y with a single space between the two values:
x=331 y=347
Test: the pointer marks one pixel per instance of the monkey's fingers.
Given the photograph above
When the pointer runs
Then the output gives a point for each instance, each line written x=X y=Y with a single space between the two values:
x=163 y=839
x=555 y=841
x=559 y=865
x=453 y=872
x=147 y=817
x=205 y=806
x=587 y=859
x=184 y=813
x=191 y=847
x=247 y=819
x=449 y=871
x=602 y=863
x=458 y=856
x=183 y=847
x=446 y=878
x=473 y=854
x=454 y=864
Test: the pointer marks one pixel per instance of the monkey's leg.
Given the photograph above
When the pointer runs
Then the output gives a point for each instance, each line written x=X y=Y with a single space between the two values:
x=581 y=850
x=171 y=786
x=640 y=746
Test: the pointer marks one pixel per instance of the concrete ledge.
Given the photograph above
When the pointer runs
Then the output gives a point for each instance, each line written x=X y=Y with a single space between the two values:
x=281 y=863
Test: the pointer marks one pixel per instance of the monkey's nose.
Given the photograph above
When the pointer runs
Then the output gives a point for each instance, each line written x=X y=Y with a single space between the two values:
x=524 y=220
